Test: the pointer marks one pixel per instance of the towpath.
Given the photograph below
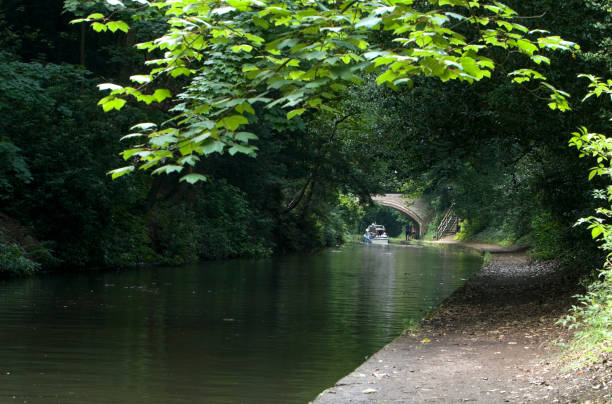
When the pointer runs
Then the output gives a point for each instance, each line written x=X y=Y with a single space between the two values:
x=490 y=342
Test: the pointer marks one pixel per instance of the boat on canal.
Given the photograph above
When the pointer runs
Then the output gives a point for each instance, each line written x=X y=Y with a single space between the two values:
x=375 y=234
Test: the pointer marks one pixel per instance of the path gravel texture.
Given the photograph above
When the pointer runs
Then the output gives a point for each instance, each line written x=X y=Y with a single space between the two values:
x=490 y=342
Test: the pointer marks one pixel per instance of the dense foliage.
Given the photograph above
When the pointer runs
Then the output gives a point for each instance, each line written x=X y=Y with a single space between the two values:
x=495 y=149
x=593 y=316
x=301 y=55
x=14 y=260
x=57 y=146
x=298 y=85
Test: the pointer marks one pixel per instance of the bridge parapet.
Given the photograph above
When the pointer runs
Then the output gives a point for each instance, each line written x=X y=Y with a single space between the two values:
x=417 y=209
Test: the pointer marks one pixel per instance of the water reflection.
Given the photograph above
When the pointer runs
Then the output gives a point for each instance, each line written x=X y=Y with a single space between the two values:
x=270 y=330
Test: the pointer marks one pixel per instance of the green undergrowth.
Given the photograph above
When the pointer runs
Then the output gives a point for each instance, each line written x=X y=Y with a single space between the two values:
x=500 y=237
x=411 y=326
x=13 y=259
x=491 y=235
x=348 y=238
x=591 y=318
x=486 y=258
x=399 y=239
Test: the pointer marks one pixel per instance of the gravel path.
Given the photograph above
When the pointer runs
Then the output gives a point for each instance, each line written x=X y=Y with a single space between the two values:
x=490 y=342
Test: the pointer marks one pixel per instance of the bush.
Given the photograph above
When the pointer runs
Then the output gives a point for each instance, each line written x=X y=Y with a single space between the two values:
x=215 y=222
x=125 y=240
x=593 y=316
x=592 y=319
x=468 y=229
x=13 y=261
x=547 y=236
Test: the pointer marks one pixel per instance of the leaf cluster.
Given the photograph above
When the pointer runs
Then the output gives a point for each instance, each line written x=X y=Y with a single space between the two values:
x=593 y=316
x=301 y=55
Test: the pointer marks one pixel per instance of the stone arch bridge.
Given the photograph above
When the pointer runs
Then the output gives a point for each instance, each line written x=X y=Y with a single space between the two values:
x=416 y=209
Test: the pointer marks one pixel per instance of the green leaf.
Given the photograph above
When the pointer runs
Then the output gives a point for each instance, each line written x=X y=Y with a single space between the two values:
x=245 y=137
x=295 y=112
x=141 y=79
x=193 y=178
x=168 y=169
x=113 y=26
x=387 y=76
x=239 y=48
x=201 y=138
x=374 y=54
x=190 y=159
x=110 y=103
x=161 y=94
x=245 y=107
x=144 y=126
x=236 y=148
x=131 y=136
x=99 y=27
x=214 y=146
x=223 y=10
x=162 y=140
x=526 y=46
x=118 y=172
x=368 y=22
x=315 y=102
x=232 y=122
x=181 y=71
x=539 y=59
x=260 y=22
x=109 y=86
x=596 y=231
x=240 y=5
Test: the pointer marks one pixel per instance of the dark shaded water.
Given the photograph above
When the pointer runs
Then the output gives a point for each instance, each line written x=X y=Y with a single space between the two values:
x=253 y=331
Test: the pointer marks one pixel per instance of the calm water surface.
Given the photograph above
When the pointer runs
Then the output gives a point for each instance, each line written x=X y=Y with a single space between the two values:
x=240 y=331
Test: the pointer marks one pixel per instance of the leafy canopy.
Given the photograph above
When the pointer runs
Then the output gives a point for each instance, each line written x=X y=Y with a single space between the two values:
x=239 y=56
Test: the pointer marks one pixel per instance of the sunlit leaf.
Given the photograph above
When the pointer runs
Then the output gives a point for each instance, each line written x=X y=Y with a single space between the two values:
x=232 y=122
x=118 y=172
x=109 y=86
x=193 y=178
x=295 y=112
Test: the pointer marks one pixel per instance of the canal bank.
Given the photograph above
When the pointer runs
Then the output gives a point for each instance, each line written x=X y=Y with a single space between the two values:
x=490 y=341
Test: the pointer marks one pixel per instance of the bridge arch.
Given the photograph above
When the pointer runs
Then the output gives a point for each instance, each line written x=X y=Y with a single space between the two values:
x=416 y=209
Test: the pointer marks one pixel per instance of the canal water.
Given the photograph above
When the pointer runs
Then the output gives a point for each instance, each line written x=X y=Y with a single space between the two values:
x=276 y=330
